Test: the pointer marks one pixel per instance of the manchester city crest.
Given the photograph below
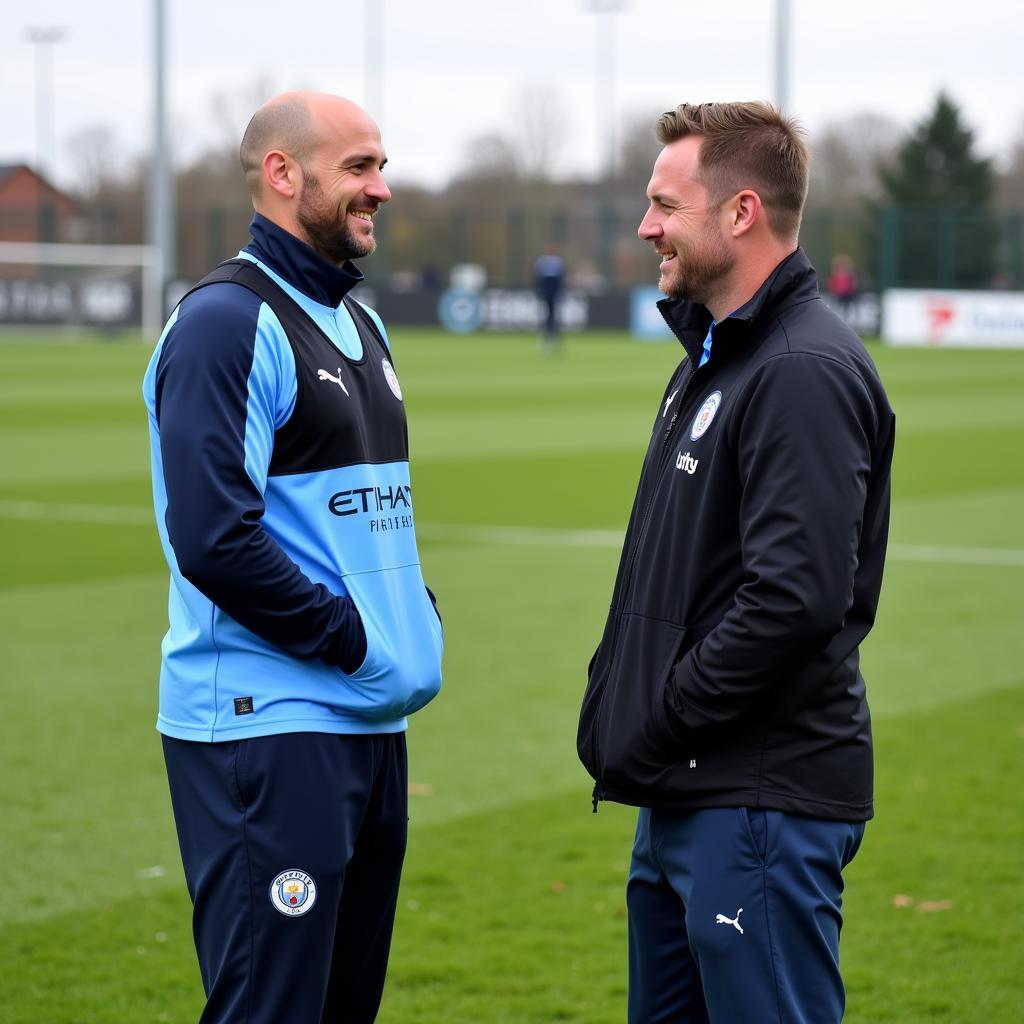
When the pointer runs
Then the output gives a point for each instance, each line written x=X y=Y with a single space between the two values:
x=392 y=378
x=293 y=893
x=705 y=415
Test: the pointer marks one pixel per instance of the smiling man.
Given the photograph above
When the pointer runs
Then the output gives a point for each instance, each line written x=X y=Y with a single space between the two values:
x=301 y=633
x=725 y=699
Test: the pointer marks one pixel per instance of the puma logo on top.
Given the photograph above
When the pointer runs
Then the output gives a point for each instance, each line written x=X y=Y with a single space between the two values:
x=324 y=375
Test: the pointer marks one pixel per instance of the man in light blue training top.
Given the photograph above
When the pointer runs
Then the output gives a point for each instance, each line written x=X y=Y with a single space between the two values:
x=301 y=633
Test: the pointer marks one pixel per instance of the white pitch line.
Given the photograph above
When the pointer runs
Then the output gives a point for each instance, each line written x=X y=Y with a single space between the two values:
x=541 y=537
x=956 y=555
x=530 y=536
x=114 y=515
x=527 y=536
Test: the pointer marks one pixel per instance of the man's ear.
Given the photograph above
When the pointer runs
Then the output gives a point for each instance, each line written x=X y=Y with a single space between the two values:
x=281 y=173
x=744 y=211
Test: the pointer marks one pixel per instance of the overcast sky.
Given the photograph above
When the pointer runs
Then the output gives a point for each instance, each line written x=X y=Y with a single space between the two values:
x=454 y=69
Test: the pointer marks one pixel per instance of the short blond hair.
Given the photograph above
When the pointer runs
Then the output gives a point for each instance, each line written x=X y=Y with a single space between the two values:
x=747 y=145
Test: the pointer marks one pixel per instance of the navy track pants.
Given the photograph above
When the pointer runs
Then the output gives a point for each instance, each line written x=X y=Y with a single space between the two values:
x=734 y=917
x=292 y=847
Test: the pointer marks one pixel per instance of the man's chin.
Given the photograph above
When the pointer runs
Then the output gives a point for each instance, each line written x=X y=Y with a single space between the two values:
x=672 y=287
x=681 y=290
x=353 y=249
x=359 y=246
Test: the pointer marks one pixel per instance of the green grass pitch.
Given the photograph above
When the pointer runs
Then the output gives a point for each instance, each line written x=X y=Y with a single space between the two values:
x=512 y=905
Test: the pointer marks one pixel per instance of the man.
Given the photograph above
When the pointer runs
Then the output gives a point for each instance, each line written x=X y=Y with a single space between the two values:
x=725 y=698
x=301 y=634
x=549 y=280
x=842 y=282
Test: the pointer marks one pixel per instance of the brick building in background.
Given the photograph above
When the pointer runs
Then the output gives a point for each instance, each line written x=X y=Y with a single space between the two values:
x=33 y=210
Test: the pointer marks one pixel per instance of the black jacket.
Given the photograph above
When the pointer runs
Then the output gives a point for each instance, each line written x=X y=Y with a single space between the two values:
x=728 y=673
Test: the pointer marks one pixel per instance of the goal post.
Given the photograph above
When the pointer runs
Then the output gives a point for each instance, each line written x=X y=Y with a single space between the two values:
x=86 y=290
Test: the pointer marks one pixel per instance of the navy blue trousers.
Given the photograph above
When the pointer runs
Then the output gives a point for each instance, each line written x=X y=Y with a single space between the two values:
x=734 y=917
x=292 y=847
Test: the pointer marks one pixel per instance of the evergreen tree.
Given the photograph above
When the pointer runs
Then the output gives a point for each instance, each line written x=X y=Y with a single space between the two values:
x=937 y=197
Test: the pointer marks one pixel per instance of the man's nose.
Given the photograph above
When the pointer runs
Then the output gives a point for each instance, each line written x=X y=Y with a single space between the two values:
x=649 y=227
x=378 y=189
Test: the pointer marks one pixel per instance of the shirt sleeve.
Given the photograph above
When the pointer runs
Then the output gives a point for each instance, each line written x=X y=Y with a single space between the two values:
x=221 y=392
x=804 y=454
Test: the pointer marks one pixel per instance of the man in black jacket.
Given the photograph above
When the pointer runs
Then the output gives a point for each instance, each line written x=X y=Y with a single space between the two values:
x=725 y=699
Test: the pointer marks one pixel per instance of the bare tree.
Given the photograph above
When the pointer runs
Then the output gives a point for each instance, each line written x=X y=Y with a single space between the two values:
x=540 y=132
x=1010 y=183
x=529 y=150
x=232 y=109
x=845 y=160
x=489 y=158
x=93 y=153
x=637 y=152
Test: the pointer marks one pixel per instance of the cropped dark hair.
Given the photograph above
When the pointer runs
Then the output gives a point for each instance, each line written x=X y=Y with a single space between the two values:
x=747 y=145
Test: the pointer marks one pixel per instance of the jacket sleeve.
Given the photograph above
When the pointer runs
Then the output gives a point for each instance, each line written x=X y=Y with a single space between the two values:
x=222 y=389
x=803 y=451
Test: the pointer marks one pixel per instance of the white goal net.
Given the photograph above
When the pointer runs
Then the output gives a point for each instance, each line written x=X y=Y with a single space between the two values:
x=84 y=287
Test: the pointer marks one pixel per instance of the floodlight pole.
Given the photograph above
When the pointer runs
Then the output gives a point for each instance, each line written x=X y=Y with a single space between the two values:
x=605 y=83
x=161 y=192
x=605 y=123
x=374 y=57
x=43 y=37
x=782 y=53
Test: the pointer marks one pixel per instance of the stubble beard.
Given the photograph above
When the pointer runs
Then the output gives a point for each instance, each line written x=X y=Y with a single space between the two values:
x=697 y=272
x=326 y=227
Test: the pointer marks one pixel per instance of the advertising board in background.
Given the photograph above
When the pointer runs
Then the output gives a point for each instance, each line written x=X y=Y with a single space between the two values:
x=106 y=302
x=863 y=312
x=465 y=311
x=965 y=319
x=645 y=320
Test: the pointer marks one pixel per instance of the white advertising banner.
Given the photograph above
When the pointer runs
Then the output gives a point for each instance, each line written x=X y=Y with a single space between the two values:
x=953 y=319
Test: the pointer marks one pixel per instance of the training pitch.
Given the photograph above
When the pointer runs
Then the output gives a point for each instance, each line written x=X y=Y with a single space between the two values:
x=512 y=907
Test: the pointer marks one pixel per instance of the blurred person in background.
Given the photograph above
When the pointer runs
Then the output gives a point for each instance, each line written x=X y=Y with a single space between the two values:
x=725 y=698
x=301 y=633
x=549 y=283
x=842 y=281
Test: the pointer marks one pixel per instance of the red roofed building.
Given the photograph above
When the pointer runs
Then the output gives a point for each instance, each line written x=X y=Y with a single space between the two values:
x=33 y=210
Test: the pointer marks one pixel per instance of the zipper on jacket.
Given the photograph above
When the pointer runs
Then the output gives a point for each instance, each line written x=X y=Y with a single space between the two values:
x=628 y=577
x=659 y=473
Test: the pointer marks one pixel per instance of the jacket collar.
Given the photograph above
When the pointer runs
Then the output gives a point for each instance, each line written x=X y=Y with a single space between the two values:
x=792 y=281
x=299 y=264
